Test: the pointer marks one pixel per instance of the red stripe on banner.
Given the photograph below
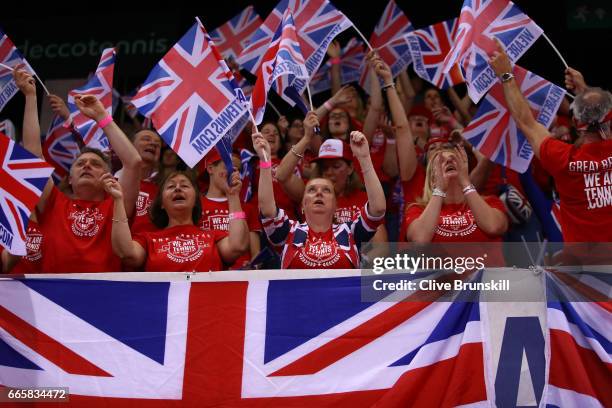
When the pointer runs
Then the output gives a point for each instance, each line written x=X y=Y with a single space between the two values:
x=363 y=334
x=29 y=165
x=179 y=133
x=578 y=369
x=455 y=381
x=47 y=347
x=589 y=292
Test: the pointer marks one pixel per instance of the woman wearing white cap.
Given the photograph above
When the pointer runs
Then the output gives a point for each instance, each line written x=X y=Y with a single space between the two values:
x=319 y=242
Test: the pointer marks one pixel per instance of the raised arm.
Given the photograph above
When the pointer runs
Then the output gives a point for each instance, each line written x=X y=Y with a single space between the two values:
x=408 y=90
x=265 y=191
x=130 y=251
x=405 y=142
x=376 y=196
x=422 y=229
x=285 y=172
x=237 y=242
x=334 y=52
x=372 y=118
x=341 y=97
x=31 y=127
x=516 y=102
x=462 y=105
x=91 y=107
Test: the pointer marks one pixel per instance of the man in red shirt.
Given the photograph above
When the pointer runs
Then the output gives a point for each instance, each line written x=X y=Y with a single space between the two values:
x=582 y=171
x=215 y=207
x=77 y=227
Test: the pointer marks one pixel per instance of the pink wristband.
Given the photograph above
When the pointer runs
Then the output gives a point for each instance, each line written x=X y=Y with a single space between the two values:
x=335 y=61
x=238 y=215
x=328 y=106
x=104 y=122
x=265 y=165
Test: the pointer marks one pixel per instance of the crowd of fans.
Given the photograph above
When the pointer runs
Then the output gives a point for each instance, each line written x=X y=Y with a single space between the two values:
x=394 y=167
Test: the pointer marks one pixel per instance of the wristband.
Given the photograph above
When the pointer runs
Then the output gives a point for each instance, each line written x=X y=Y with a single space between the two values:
x=238 y=215
x=439 y=193
x=104 y=122
x=328 y=105
x=116 y=220
x=265 y=165
x=301 y=156
x=469 y=189
x=335 y=61
x=391 y=85
x=391 y=141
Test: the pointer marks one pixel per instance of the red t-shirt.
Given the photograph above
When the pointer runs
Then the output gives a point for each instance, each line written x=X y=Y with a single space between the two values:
x=456 y=222
x=215 y=217
x=141 y=221
x=183 y=248
x=320 y=250
x=77 y=235
x=32 y=261
x=349 y=207
x=377 y=153
x=583 y=178
x=495 y=180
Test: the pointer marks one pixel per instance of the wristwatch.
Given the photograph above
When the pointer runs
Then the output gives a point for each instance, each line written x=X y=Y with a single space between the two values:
x=506 y=76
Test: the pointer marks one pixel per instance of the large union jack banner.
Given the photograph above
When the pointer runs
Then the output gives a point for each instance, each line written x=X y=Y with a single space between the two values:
x=428 y=48
x=480 y=22
x=317 y=23
x=22 y=180
x=493 y=131
x=232 y=37
x=258 y=343
x=101 y=85
x=282 y=66
x=60 y=147
x=351 y=59
x=579 y=316
x=11 y=57
x=191 y=96
x=388 y=40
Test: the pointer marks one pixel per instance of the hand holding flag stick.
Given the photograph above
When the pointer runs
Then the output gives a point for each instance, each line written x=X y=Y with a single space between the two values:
x=35 y=76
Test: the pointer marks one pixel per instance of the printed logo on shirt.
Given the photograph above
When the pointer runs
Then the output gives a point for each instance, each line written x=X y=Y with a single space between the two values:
x=216 y=222
x=85 y=223
x=597 y=181
x=184 y=248
x=378 y=141
x=319 y=253
x=347 y=214
x=458 y=224
x=33 y=243
x=143 y=202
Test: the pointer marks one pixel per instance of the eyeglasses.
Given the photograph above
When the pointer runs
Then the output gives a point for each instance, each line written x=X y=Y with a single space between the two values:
x=334 y=116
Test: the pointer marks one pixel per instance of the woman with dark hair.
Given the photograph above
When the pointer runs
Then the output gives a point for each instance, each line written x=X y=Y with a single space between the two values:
x=180 y=245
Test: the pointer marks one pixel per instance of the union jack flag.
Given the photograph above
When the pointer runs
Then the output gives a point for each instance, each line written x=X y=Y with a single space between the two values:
x=428 y=48
x=388 y=40
x=317 y=23
x=9 y=56
x=60 y=147
x=267 y=343
x=129 y=107
x=101 y=85
x=282 y=65
x=493 y=131
x=8 y=128
x=23 y=177
x=246 y=174
x=192 y=97
x=579 y=313
x=351 y=59
x=479 y=22
x=232 y=37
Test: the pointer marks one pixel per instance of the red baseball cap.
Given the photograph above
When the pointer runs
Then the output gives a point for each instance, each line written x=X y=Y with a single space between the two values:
x=421 y=110
x=335 y=149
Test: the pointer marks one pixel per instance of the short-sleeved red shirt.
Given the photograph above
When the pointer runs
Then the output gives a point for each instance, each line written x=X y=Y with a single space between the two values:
x=320 y=251
x=215 y=217
x=141 y=221
x=456 y=222
x=183 y=248
x=77 y=235
x=32 y=261
x=583 y=178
